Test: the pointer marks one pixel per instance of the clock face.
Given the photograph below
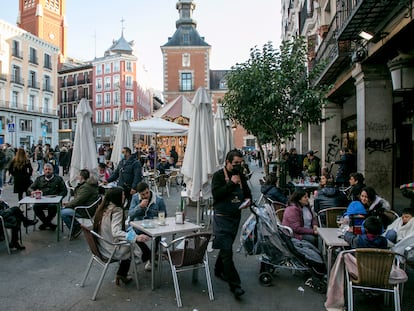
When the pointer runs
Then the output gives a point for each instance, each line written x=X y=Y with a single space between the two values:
x=51 y=35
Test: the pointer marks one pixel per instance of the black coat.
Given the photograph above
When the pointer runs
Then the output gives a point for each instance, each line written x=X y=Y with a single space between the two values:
x=22 y=179
x=128 y=173
x=274 y=193
x=227 y=198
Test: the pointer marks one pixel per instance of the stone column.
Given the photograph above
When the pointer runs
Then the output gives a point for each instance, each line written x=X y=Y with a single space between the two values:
x=331 y=135
x=374 y=127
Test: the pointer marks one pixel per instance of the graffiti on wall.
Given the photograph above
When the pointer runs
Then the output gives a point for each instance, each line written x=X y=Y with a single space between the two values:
x=333 y=148
x=378 y=145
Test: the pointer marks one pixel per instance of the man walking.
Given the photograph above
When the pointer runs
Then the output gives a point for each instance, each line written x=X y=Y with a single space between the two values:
x=230 y=190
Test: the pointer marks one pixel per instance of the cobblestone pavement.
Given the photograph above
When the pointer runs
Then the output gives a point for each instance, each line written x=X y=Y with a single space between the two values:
x=47 y=274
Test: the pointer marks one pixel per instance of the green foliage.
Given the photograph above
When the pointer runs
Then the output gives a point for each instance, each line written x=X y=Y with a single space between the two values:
x=271 y=95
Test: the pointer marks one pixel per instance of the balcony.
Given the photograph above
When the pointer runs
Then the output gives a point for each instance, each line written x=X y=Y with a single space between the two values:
x=305 y=14
x=33 y=84
x=34 y=60
x=368 y=15
x=19 y=107
x=17 y=53
x=17 y=79
x=3 y=77
x=335 y=54
x=48 y=88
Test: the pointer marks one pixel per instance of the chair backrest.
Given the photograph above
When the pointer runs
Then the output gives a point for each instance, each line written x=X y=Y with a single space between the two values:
x=162 y=180
x=391 y=215
x=374 y=266
x=275 y=204
x=91 y=239
x=331 y=214
x=195 y=247
x=279 y=214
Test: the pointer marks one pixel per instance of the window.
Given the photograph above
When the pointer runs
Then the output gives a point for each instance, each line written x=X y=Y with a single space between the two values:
x=107 y=99
x=65 y=81
x=75 y=79
x=15 y=99
x=116 y=115
x=116 y=66
x=31 y=103
x=129 y=98
x=65 y=125
x=107 y=117
x=26 y=125
x=107 y=131
x=46 y=83
x=86 y=92
x=186 y=60
x=128 y=82
x=64 y=112
x=47 y=61
x=186 y=38
x=98 y=100
x=98 y=132
x=33 y=56
x=117 y=98
x=107 y=67
x=128 y=66
x=116 y=82
x=107 y=83
x=129 y=113
x=99 y=116
x=32 y=79
x=99 y=69
x=16 y=74
x=186 y=83
x=99 y=84
x=16 y=49
x=45 y=105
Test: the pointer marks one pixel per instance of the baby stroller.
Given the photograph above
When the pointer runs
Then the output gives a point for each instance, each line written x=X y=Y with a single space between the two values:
x=263 y=235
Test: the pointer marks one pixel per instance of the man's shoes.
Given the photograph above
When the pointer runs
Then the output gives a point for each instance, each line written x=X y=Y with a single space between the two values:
x=52 y=226
x=148 y=266
x=17 y=246
x=29 y=222
x=43 y=227
x=237 y=292
x=75 y=234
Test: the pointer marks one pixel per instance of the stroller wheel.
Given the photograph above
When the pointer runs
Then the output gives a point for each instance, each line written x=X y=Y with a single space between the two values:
x=265 y=279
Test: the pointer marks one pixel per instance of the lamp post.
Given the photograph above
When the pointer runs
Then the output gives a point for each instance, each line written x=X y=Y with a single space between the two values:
x=402 y=72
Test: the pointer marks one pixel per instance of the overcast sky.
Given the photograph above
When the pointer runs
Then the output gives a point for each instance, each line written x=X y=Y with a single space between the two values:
x=231 y=27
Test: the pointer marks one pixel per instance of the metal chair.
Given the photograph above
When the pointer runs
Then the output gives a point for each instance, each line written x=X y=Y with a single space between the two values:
x=70 y=188
x=6 y=236
x=374 y=267
x=92 y=238
x=162 y=183
x=187 y=253
x=327 y=216
x=275 y=204
x=88 y=213
x=279 y=214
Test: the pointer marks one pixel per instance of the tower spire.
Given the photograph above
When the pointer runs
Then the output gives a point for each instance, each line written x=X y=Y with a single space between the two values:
x=185 y=9
x=122 y=27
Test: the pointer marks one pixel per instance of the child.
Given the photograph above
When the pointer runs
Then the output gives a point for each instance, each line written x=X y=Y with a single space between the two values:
x=370 y=237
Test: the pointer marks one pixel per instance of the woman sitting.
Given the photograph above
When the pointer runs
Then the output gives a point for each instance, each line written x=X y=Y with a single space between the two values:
x=299 y=216
x=328 y=195
x=375 y=205
x=110 y=224
x=272 y=191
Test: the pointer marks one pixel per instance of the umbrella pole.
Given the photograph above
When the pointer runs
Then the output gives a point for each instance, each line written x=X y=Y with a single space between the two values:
x=198 y=211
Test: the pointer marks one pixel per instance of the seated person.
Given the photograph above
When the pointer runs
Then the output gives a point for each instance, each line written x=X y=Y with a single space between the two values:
x=86 y=192
x=110 y=224
x=13 y=217
x=49 y=184
x=401 y=227
x=272 y=191
x=328 y=196
x=370 y=237
x=299 y=216
x=356 y=182
x=355 y=208
x=375 y=205
x=163 y=165
x=145 y=204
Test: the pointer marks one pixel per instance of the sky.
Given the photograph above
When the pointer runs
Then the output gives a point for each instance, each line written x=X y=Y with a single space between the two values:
x=230 y=27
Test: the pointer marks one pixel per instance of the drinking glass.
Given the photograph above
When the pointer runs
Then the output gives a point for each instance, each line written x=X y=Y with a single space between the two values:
x=161 y=217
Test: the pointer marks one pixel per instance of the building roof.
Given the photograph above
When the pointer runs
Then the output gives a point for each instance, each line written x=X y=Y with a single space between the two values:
x=218 y=79
x=186 y=33
x=120 y=46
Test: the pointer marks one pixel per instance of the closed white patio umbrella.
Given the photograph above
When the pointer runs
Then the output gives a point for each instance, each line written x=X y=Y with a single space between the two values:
x=199 y=162
x=123 y=138
x=84 y=154
x=223 y=135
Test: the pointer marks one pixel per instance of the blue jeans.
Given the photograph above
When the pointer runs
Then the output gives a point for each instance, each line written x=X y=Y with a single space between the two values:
x=67 y=214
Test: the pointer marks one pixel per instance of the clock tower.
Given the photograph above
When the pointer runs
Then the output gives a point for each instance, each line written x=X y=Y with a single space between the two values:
x=46 y=20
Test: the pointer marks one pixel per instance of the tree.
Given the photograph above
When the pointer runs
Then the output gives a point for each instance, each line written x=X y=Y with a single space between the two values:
x=271 y=94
